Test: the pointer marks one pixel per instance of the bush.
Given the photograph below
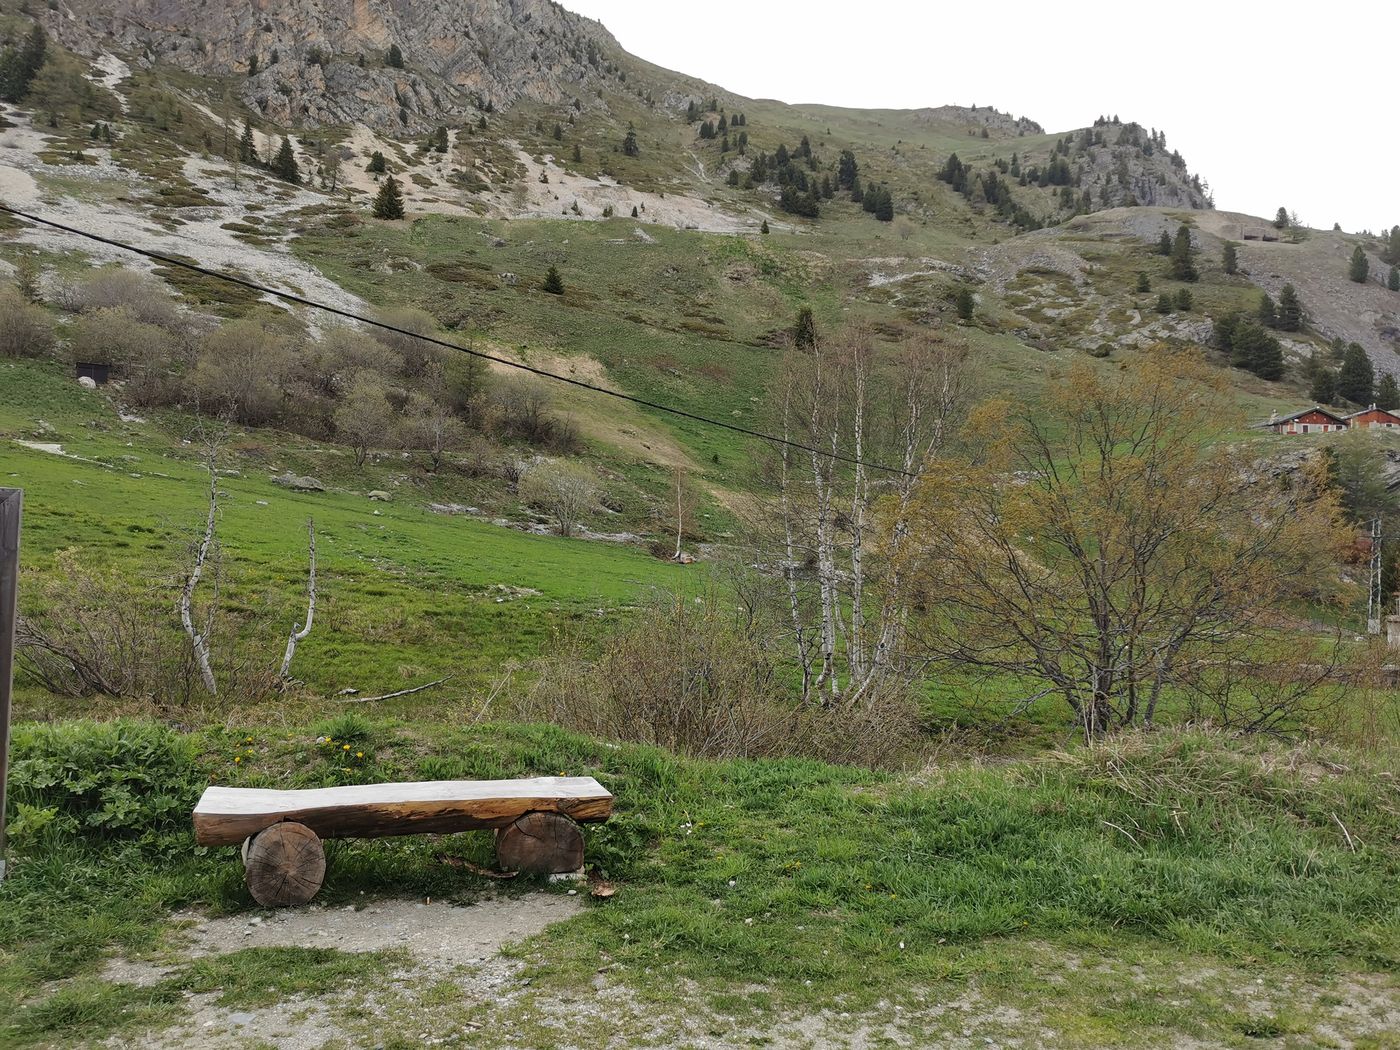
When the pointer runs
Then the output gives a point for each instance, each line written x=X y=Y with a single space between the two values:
x=114 y=336
x=118 y=779
x=242 y=371
x=520 y=409
x=415 y=353
x=112 y=287
x=692 y=676
x=568 y=491
x=25 y=329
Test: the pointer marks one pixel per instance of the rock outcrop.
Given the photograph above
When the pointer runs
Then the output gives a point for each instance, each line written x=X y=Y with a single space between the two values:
x=325 y=62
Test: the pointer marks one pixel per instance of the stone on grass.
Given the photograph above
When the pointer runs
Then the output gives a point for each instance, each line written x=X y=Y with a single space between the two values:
x=298 y=483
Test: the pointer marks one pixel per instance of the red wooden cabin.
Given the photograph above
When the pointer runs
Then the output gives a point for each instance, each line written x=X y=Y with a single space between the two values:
x=1313 y=420
x=1374 y=418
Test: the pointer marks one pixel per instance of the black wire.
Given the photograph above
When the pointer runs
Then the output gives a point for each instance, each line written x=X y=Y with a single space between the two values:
x=349 y=315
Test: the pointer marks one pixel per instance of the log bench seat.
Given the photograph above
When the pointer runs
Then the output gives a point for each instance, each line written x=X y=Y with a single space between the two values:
x=536 y=822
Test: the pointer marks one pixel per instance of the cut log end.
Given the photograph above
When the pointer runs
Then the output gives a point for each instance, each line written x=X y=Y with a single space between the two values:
x=284 y=864
x=540 y=844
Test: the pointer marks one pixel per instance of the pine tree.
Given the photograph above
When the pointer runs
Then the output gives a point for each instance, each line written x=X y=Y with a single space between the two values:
x=1387 y=393
x=19 y=67
x=629 y=143
x=388 y=204
x=1229 y=258
x=965 y=303
x=1183 y=256
x=634 y=211
x=1324 y=387
x=804 y=331
x=577 y=156
x=553 y=283
x=1144 y=284
x=1357 y=376
x=1256 y=350
x=1290 y=310
x=284 y=165
x=1185 y=301
x=1268 y=315
x=764 y=227
x=377 y=165
x=1393 y=281
x=1165 y=303
x=247 y=148
x=394 y=57
x=1164 y=244
x=1360 y=267
x=252 y=65
x=1281 y=219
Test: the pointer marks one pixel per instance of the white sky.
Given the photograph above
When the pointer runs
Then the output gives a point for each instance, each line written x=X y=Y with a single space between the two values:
x=1273 y=103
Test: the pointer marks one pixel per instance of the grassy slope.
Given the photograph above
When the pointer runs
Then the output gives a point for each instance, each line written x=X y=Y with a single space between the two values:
x=407 y=592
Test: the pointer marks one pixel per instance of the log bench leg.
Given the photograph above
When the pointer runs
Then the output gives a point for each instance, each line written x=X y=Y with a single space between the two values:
x=284 y=864
x=540 y=844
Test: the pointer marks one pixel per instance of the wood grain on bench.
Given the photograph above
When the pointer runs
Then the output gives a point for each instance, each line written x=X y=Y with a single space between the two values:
x=226 y=816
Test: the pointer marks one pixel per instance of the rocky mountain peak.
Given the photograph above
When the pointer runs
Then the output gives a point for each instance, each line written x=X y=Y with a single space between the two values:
x=322 y=62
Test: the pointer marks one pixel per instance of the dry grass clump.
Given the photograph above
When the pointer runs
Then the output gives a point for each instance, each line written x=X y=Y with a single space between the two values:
x=689 y=676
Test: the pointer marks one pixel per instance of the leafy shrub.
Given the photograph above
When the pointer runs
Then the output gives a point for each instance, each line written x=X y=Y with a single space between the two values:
x=112 y=287
x=117 y=779
x=25 y=329
x=692 y=676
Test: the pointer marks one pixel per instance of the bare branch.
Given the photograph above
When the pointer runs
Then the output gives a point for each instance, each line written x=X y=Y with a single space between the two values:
x=301 y=631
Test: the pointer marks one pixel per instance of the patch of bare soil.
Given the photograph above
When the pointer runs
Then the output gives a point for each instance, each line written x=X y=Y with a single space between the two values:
x=440 y=940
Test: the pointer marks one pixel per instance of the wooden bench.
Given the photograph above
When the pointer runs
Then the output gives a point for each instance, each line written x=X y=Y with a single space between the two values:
x=536 y=822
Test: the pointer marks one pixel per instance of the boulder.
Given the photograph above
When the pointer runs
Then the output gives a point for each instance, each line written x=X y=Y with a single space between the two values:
x=298 y=483
x=379 y=495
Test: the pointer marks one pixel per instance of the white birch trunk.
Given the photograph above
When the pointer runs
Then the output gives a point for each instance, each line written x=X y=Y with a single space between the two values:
x=301 y=631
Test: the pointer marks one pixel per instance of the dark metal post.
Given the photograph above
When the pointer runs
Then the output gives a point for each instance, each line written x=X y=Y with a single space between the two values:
x=11 y=503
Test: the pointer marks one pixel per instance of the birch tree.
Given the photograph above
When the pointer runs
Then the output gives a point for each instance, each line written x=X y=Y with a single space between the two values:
x=836 y=530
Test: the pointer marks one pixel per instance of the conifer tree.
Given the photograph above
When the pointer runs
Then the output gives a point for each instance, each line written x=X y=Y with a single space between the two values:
x=1323 y=390
x=1183 y=256
x=1256 y=350
x=634 y=211
x=1268 y=315
x=804 y=331
x=1290 y=310
x=1229 y=258
x=629 y=142
x=1165 y=303
x=388 y=203
x=377 y=164
x=247 y=149
x=1281 y=219
x=252 y=65
x=1387 y=393
x=1393 y=281
x=1144 y=284
x=764 y=227
x=553 y=283
x=394 y=57
x=284 y=165
x=1360 y=267
x=965 y=303
x=1357 y=376
x=577 y=156
x=1164 y=244
x=1185 y=301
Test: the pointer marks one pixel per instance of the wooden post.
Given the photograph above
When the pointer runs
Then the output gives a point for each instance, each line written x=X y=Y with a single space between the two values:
x=11 y=502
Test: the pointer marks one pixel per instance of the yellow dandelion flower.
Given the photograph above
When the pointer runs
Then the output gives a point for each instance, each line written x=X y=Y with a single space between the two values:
x=238 y=758
x=345 y=747
x=359 y=754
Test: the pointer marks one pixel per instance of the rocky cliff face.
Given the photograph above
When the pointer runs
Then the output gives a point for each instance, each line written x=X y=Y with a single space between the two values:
x=322 y=62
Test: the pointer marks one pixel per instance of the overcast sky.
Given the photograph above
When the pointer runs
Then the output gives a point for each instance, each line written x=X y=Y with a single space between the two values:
x=1271 y=103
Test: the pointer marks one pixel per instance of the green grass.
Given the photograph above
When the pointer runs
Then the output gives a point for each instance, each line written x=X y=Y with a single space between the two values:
x=407 y=593
x=816 y=884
